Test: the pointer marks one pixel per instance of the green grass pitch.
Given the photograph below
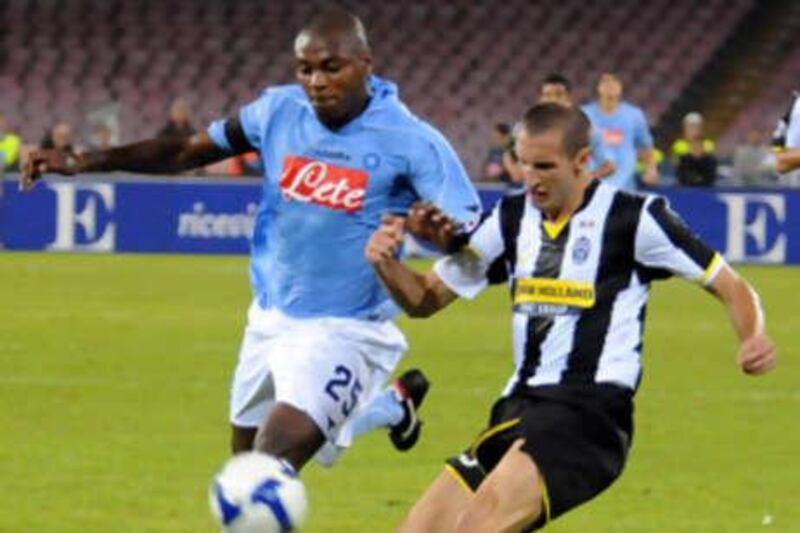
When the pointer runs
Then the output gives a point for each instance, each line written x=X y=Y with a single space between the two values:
x=114 y=376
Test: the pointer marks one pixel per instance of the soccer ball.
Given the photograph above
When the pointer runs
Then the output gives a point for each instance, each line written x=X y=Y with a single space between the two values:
x=257 y=493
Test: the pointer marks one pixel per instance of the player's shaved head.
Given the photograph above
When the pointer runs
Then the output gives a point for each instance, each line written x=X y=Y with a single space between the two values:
x=333 y=64
x=337 y=25
x=573 y=123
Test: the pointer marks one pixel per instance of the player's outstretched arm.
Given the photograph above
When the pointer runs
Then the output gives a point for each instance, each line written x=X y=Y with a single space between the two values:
x=154 y=156
x=756 y=350
x=787 y=160
x=420 y=295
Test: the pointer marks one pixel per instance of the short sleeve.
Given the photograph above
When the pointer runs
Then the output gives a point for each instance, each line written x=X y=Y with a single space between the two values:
x=244 y=131
x=664 y=241
x=779 y=134
x=793 y=126
x=641 y=132
x=468 y=271
x=438 y=176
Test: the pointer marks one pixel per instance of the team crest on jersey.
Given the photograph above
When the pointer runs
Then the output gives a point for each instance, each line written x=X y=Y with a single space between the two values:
x=581 y=249
x=317 y=182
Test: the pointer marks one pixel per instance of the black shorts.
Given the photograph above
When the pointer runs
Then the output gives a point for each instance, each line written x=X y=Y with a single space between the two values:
x=578 y=438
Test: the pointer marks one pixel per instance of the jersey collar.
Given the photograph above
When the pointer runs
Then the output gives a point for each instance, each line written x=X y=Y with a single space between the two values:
x=554 y=229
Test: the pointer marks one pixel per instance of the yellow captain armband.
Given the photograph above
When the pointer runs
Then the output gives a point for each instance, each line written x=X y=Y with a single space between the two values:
x=712 y=269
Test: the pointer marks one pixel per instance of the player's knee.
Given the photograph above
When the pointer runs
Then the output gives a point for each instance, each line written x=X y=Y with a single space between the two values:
x=480 y=515
x=290 y=434
x=419 y=520
x=467 y=523
x=294 y=447
x=273 y=441
x=409 y=524
x=489 y=512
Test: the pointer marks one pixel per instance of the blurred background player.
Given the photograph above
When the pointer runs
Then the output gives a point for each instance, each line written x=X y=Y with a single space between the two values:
x=179 y=123
x=694 y=154
x=9 y=146
x=60 y=138
x=341 y=150
x=558 y=89
x=787 y=131
x=749 y=162
x=579 y=256
x=493 y=168
x=786 y=140
x=625 y=134
x=101 y=136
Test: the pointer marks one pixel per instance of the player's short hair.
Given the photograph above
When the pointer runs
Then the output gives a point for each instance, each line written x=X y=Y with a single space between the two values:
x=337 y=20
x=502 y=128
x=611 y=75
x=572 y=122
x=558 y=79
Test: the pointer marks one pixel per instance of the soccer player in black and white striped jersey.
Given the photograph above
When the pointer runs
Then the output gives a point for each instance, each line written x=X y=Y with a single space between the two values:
x=579 y=256
x=786 y=138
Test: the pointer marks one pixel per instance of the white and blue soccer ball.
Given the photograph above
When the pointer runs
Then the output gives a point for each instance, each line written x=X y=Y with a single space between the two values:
x=257 y=493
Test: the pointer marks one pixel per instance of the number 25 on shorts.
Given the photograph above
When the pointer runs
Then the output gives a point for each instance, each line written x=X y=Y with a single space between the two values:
x=338 y=386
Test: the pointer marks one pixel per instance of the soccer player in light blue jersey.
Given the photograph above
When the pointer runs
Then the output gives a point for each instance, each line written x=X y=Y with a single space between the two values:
x=624 y=132
x=558 y=89
x=340 y=150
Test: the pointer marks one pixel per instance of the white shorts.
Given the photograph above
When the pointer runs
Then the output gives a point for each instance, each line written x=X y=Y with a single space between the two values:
x=326 y=367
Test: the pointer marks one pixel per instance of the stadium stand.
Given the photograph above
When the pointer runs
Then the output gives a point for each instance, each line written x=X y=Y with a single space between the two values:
x=763 y=112
x=463 y=65
x=743 y=77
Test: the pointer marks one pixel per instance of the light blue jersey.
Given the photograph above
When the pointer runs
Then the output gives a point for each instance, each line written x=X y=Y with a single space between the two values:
x=325 y=192
x=597 y=151
x=623 y=132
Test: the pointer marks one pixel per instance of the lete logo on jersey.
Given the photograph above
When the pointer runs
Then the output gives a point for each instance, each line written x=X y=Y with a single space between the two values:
x=613 y=136
x=317 y=182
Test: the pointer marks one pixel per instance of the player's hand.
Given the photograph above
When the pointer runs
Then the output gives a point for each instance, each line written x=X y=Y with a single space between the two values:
x=757 y=355
x=385 y=243
x=651 y=176
x=40 y=162
x=427 y=222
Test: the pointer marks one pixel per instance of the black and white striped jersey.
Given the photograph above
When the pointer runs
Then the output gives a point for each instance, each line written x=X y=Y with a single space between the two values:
x=579 y=289
x=787 y=131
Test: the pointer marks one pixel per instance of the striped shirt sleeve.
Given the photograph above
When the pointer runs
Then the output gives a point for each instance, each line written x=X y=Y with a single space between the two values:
x=468 y=271
x=793 y=126
x=664 y=241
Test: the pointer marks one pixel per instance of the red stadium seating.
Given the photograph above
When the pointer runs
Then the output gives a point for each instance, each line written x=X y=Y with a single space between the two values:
x=463 y=65
x=763 y=113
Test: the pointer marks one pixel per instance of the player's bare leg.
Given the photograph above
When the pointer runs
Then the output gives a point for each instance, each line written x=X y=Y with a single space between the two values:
x=290 y=434
x=242 y=438
x=439 y=507
x=511 y=498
